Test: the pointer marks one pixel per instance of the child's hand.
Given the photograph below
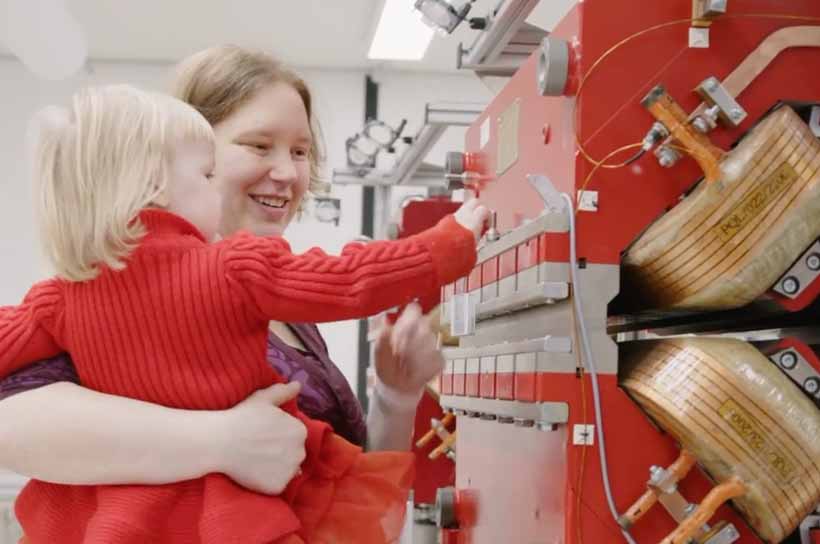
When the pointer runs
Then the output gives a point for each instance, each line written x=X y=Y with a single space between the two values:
x=473 y=215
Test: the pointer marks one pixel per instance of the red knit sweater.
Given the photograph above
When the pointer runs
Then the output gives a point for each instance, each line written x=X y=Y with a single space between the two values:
x=185 y=325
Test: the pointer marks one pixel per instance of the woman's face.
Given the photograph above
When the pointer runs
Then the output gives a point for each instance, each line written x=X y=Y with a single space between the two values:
x=263 y=162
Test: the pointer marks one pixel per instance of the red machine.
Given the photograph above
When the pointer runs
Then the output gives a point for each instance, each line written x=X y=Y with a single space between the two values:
x=571 y=119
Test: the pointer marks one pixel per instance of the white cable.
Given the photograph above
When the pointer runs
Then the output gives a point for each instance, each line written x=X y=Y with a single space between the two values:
x=593 y=371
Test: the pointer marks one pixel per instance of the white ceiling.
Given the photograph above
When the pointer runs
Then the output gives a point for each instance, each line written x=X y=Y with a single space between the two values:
x=306 y=33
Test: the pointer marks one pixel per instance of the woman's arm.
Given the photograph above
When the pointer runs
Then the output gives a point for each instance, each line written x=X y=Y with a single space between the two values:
x=390 y=425
x=64 y=433
x=407 y=357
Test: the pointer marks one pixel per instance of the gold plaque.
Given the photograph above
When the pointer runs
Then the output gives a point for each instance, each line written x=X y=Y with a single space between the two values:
x=757 y=201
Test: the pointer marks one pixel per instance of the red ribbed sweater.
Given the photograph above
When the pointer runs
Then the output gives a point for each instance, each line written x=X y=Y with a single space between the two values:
x=185 y=325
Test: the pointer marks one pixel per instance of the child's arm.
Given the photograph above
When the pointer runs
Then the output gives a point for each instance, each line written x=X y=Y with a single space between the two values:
x=25 y=335
x=364 y=280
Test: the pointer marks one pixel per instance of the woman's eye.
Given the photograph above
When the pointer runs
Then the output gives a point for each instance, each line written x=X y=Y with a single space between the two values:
x=301 y=153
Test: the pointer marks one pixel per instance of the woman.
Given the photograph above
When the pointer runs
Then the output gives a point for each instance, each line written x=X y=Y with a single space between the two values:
x=262 y=119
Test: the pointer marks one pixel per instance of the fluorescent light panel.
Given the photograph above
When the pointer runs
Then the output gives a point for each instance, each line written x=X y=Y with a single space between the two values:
x=401 y=34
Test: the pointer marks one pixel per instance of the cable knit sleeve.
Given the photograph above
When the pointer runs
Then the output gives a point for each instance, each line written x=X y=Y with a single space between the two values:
x=364 y=280
x=26 y=331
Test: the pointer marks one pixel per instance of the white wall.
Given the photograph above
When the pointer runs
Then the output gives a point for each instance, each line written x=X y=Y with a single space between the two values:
x=339 y=99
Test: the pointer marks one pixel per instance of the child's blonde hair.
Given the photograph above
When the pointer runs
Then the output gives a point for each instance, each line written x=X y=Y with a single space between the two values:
x=97 y=164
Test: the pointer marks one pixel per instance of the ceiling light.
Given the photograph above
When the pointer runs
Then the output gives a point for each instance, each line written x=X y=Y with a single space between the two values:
x=400 y=34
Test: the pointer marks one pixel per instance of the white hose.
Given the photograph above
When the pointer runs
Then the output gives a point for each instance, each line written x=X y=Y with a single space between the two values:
x=593 y=371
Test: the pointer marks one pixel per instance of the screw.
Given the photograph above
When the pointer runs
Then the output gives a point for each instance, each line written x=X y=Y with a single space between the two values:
x=790 y=285
x=788 y=360
x=667 y=157
x=811 y=385
x=736 y=113
x=813 y=262
x=701 y=125
x=711 y=84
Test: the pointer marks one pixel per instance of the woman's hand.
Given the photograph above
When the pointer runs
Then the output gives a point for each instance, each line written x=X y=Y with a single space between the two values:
x=262 y=445
x=407 y=355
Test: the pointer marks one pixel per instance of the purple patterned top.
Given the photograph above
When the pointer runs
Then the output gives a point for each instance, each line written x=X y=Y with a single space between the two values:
x=325 y=393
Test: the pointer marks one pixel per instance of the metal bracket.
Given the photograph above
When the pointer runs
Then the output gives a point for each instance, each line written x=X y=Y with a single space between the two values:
x=410 y=168
x=546 y=222
x=548 y=193
x=506 y=42
x=705 y=11
x=802 y=273
x=715 y=94
x=798 y=369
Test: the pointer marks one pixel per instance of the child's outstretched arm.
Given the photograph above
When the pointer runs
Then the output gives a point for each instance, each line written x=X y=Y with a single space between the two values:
x=25 y=335
x=364 y=280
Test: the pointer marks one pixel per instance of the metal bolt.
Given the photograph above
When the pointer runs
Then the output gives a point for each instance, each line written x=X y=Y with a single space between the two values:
x=736 y=113
x=701 y=125
x=790 y=285
x=788 y=360
x=711 y=84
x=813 y=262
x=811 y=385
x=667 y=157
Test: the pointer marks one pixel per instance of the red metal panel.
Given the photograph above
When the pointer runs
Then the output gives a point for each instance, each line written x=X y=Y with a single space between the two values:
x=610 y=114
x=489 y=272
x=524 y=386
x=471 y=384
x=487 y=385
x=508 y=263
x=458 y=383
x=504 y=385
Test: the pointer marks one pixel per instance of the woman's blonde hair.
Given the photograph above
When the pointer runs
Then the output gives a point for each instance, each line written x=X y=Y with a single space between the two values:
x=97 y=164
x=219 y=80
